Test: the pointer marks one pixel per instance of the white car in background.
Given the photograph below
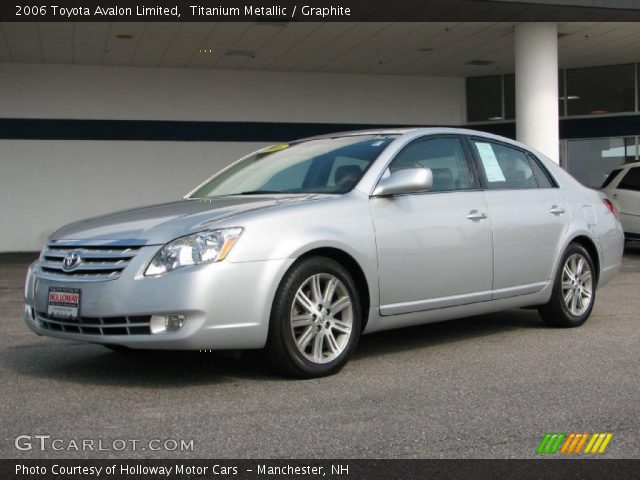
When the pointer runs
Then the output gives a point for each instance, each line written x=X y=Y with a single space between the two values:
x=623 y=187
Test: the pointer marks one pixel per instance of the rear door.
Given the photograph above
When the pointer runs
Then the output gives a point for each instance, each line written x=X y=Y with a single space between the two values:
x=434 y=248
x=528 y=214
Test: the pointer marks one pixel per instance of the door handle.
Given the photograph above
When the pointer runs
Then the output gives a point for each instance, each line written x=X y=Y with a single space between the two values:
x=556 y=210
x=476 y=215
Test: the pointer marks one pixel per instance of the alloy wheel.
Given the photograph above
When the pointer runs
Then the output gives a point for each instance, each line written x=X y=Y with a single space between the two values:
x=321 y=318
x=577 y=284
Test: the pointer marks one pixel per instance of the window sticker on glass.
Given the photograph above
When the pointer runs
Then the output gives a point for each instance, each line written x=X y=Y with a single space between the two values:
x=490 y=162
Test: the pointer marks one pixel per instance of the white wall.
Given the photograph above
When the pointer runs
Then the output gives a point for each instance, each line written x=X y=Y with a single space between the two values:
x=44 y=184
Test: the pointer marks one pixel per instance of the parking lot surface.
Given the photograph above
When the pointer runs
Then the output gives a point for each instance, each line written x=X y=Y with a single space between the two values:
x=488 y=386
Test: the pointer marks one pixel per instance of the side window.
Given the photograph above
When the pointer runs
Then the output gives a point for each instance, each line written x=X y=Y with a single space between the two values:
x=505 y=167
x=610 y=178
x=542 y=177
x=444 y=156
x=631 y=180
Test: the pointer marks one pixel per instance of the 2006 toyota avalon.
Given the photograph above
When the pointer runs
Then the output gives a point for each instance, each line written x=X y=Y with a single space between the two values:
x=300 y=248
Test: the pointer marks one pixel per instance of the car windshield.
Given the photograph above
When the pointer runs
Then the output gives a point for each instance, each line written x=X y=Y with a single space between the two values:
x=325 y=165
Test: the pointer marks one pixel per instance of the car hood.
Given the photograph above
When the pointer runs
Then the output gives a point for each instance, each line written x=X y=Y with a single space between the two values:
x=158 y=224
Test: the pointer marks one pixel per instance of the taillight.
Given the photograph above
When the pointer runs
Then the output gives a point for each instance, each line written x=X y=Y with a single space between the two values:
x=609 y=204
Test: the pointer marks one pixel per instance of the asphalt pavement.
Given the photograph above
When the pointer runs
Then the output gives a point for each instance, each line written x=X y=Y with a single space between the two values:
x=482 y=387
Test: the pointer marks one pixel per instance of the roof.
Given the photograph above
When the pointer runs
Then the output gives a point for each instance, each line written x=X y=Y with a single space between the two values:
x=405 y=130
x=418 y=131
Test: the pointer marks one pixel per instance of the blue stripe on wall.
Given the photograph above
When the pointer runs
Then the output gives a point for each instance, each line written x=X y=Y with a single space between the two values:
x=159 y=130
x=199 y=131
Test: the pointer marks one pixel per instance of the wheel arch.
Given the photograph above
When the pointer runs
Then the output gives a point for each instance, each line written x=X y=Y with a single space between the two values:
x=590 y=246
x=354 y=268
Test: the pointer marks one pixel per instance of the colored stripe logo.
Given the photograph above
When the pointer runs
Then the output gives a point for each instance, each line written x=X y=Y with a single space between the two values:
x=574 y=443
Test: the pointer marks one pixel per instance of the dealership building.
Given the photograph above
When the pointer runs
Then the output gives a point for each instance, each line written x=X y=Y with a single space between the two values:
x=96 y=117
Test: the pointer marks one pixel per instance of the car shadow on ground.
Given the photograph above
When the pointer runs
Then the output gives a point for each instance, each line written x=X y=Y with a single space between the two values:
x=95 y=365
x=82 y=363
x=458 y=330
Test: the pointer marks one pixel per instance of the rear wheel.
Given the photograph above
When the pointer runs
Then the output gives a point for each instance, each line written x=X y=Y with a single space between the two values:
x=315 y=319
x=574 y=290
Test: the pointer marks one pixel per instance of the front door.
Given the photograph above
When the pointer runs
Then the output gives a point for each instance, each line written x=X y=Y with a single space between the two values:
x=434 y=248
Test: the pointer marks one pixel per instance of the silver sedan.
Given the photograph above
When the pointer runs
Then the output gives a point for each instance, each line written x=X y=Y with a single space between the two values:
x=300 y=248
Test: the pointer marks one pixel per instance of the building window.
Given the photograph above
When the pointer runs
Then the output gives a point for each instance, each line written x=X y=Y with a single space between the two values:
x=601 y=90
x=592 y=160
x=561 y=94
x=510 y=95
x=582 y=91
x=484 y=99
x=486 y=94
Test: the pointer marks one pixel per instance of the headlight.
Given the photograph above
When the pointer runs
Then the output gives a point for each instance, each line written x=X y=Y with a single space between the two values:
x=203 y=247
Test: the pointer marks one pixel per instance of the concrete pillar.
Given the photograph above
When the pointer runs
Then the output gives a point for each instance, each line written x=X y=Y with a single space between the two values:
x=536 y=59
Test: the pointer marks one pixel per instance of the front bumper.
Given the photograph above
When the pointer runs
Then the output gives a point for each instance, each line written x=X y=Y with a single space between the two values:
x=227 y=305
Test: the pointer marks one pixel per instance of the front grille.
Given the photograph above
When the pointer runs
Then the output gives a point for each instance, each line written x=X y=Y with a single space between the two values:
x=96 y=262
x=136 y=325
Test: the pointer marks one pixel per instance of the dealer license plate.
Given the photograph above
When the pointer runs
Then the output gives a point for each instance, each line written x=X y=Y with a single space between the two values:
x=63 y=302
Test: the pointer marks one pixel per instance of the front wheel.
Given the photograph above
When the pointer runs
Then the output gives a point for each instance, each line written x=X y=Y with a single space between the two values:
x=574 y=290
x=315 y=320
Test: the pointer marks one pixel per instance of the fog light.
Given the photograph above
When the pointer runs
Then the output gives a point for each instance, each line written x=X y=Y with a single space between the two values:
x=166 y=323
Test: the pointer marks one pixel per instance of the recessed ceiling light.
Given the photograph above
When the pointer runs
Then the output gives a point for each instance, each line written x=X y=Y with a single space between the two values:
x=241 y=53
x=124 y=36
x=480 y=62
x=205 y=50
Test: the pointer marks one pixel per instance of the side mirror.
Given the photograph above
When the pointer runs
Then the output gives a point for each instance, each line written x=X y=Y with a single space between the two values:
x=408 y=180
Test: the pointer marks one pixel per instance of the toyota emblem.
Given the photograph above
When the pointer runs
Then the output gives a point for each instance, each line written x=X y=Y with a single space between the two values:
x=71 y=261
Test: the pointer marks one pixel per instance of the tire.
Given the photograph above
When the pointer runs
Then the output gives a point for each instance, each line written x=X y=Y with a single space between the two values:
x=572 y=298
x=306 y=339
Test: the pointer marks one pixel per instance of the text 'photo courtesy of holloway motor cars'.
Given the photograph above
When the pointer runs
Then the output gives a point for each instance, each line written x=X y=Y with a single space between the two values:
x=300 y=248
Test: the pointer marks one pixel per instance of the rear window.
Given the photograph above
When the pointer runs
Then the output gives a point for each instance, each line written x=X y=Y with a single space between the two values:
x=506 y=167
x=611 y=176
